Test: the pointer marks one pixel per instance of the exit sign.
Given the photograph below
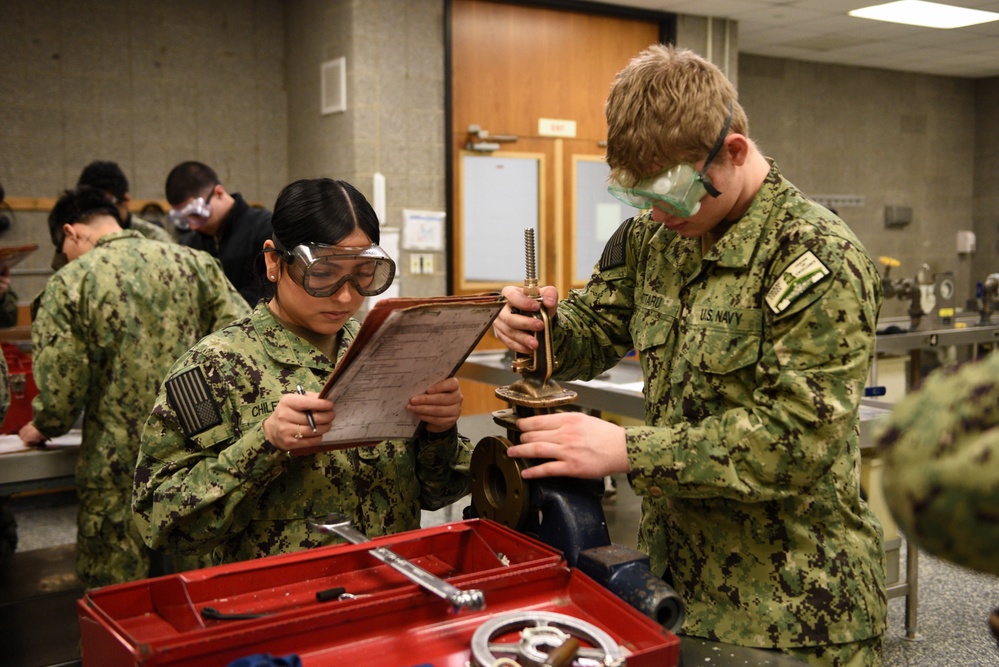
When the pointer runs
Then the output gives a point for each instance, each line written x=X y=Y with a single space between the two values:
x=552 y=127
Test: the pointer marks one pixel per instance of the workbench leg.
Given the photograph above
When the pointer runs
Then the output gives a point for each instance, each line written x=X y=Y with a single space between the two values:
x=912 y=596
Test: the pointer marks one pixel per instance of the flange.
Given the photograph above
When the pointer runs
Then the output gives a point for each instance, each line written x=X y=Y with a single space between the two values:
x=498 y=491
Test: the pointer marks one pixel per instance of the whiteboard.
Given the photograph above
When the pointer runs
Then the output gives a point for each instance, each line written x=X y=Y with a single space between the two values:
x=598 y=215
x=500 y=198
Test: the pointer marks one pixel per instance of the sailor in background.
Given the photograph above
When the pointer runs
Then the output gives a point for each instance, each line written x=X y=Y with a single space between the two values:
x=107 y=327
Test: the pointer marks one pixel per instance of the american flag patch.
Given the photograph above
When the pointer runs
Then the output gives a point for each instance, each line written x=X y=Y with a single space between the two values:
x=190 y=397
x=614 y=252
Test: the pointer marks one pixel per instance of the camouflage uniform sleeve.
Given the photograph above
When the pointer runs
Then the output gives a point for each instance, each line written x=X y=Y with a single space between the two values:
x=941 y=448
x=793 y=417
x=442 y=466
x=191 y=492
x=222 y=302
x=8 y=309
x=60 y=362
x=151 y=230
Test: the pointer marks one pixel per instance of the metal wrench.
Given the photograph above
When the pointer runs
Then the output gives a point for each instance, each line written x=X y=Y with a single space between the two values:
x=339 y=524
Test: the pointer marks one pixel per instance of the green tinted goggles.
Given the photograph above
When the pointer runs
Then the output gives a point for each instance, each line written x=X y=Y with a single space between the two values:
x=678 y=191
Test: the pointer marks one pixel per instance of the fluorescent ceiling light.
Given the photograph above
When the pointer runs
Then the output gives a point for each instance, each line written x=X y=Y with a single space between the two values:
x=925 y=14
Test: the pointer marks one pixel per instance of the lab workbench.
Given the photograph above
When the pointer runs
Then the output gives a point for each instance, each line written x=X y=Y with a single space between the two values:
x=38 y=469
x=965 y=341
x=41 y=468
x=39 y=588
x=619 y=391
x=974 y=336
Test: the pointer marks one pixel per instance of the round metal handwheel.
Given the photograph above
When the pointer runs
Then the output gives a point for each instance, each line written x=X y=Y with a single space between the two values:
x=540 y=632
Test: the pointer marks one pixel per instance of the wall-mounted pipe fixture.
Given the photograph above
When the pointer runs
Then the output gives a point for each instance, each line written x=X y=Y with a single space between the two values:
x=480 y=139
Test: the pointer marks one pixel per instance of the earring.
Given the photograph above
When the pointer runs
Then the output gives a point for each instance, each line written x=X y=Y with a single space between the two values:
x=273 y=278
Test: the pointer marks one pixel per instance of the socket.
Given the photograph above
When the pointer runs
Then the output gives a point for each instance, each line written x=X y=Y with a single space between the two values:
x=421 y=263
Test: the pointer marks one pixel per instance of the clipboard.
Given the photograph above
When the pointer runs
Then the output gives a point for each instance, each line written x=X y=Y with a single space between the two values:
x=404 y=346
x=13 y=254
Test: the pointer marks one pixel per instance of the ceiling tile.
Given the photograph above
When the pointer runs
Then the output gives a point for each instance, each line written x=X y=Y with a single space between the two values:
x=820 y=31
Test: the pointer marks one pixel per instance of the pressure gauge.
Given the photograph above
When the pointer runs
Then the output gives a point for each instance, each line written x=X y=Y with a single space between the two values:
x=946 y=287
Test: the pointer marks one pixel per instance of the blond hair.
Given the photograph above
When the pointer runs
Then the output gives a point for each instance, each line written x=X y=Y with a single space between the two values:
x=666 y=107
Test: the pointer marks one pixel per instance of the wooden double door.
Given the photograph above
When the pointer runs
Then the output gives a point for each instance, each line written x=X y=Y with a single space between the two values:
x=528 y=84
x=528 y=132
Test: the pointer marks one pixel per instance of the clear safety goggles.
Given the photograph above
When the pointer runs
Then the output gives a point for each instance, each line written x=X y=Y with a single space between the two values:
x=679 y=190
x=323 y=270
x=197 y=208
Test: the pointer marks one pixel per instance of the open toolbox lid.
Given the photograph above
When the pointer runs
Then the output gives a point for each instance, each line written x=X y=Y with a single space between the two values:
x=392 y=621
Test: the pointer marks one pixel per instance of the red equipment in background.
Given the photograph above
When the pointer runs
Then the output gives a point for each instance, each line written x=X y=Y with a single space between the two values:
x=22 y=388
x=277 y=606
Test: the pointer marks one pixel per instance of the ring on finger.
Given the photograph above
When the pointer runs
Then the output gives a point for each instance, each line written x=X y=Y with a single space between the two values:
x=298 y=433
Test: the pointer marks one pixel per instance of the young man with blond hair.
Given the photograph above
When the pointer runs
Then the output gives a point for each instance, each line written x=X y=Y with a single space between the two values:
x=753 y=310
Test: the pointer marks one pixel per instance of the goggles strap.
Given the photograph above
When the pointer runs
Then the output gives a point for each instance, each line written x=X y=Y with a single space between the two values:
x=708 y=185
x=287 y=255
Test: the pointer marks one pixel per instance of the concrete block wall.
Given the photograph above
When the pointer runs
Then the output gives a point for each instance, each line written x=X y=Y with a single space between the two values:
x=147 y=85
x=394 y=121
x=892 y=138
x=986 y=192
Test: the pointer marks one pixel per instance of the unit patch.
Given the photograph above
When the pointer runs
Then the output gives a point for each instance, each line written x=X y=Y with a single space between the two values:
x=190 y=396
x=795 y=281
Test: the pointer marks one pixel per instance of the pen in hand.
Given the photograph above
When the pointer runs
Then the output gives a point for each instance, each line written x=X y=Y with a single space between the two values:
x=308 y=413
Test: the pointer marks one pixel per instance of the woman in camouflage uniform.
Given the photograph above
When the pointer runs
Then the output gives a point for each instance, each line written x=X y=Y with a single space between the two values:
x=214 y=472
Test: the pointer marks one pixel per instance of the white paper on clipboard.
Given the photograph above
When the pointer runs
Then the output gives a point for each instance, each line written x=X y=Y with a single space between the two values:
x=404 y=346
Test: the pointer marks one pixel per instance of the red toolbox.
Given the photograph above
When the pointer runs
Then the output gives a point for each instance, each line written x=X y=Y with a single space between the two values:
x=391 y=622
x=22 y=388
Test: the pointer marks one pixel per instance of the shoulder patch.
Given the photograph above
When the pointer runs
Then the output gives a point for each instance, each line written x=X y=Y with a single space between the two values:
x=795 y=281
x=614 y=252
x=191 y=397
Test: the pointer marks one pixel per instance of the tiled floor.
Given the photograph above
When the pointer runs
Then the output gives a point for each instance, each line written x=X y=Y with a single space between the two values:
x=952 y=610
